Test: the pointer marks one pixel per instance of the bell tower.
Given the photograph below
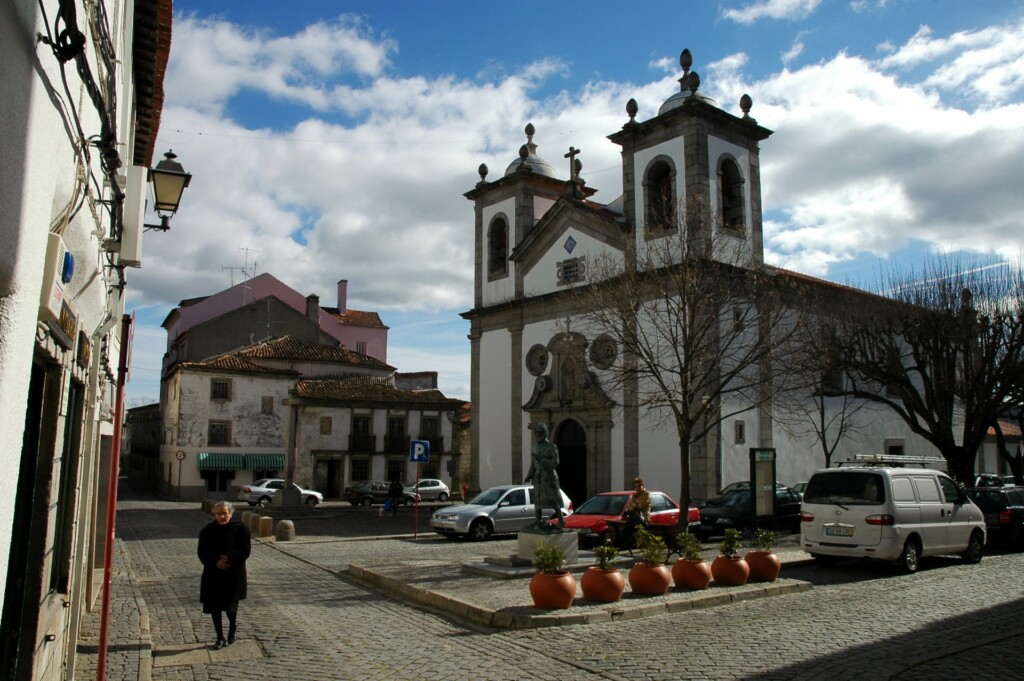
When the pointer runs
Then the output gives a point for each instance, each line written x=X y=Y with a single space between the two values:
x=693 y=158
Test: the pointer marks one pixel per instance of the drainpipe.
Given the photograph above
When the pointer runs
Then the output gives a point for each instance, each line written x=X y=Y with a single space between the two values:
x=115 y=455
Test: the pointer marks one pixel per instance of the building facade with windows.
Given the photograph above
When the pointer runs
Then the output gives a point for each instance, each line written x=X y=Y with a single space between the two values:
x=319 y=415
x=82 y=91
x=534 y=237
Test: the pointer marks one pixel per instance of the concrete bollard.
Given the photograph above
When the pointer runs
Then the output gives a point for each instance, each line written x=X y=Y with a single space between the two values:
x=266 y=526
x=254 y=524
x=245 y=517
x=285 y=530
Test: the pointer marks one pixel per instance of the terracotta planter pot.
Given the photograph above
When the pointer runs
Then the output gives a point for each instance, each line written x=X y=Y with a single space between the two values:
x=553 y=591
x=650 y=580
x=602 y=586
x=691 y=574
x=730 y=571
x=764 y=565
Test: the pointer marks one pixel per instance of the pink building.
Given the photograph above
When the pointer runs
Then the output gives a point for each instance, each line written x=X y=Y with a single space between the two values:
x=264 y=307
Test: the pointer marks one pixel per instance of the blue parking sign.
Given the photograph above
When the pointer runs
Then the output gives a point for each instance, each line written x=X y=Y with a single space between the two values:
x=419 y=451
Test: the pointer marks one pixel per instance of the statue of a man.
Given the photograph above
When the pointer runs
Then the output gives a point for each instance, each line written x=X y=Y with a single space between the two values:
x=544 y=474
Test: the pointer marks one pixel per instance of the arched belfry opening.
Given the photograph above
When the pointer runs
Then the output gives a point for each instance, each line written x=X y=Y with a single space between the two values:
x=571 y=440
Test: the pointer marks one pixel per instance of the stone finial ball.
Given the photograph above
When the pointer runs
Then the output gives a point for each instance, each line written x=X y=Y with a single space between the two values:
x=530 y=130
x=482 y=170
x=632 y=107
x=686 y=59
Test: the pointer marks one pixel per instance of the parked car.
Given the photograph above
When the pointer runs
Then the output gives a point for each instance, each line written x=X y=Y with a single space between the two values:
x=799 y=487
x=988 y=480
x=430 y=489
x=733 y=511
x=1004 y=514
x=498 y=510
x=1008 y=480
x=733 y=487
x=590 y=520
x=888 y=513
x=370 y=492
x=261 y=492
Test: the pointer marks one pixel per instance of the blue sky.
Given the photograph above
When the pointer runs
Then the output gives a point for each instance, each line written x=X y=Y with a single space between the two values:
x=334 y=140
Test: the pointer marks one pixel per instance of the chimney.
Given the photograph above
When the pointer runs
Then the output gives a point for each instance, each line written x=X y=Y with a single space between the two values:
x=313 y=308
x=343 y=296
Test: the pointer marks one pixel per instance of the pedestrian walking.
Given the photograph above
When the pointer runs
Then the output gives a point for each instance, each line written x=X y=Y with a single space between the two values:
x=395 y=494
x=224 y=546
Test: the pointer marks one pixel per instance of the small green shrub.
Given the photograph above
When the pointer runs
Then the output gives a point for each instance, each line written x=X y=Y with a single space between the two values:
x=605 y=554
x=763 y=540
x=730 y=546
x=689 y=546
x=548 y=557
x=652 y=547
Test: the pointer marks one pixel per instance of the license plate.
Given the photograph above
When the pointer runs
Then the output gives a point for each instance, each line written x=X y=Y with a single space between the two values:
x=839 y=531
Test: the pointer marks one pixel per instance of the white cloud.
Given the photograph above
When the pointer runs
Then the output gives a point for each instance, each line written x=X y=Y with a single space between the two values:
x=868 y=156
x=772 y=9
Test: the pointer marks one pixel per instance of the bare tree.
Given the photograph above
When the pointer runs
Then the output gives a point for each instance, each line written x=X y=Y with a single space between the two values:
x=805 y=409
x=940 y=349
x=700 y=323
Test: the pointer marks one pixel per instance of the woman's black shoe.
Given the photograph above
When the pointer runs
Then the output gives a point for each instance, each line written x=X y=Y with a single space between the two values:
x=231 y=639
x=219 y=644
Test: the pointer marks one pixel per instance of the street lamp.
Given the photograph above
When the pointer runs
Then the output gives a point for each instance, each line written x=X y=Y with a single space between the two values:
x=169 y=180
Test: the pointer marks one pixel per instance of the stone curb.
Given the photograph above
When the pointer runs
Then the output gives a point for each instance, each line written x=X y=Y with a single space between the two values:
x=526 y=617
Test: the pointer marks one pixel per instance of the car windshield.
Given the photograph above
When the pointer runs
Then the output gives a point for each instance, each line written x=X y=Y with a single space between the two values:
x=737 y=498
x=603 y=504
x=848 y=487
x=488 y=497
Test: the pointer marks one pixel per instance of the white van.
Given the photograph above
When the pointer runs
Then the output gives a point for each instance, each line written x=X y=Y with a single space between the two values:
x=895 y=514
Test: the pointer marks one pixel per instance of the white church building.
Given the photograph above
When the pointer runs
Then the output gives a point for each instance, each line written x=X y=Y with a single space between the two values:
x=534 y=234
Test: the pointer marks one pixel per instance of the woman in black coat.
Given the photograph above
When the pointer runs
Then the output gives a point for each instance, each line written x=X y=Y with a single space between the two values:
x=224 y=546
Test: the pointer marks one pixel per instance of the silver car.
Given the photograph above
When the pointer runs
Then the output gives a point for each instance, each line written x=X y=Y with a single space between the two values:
x=498 y=510
x=261 y=492
x=430 y=489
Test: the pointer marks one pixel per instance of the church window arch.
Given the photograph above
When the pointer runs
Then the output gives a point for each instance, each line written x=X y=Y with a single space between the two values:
x=731 y=199
x=497 y=248
x=660 y=197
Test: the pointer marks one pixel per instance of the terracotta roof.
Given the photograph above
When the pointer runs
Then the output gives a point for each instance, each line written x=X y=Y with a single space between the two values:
x=362 y=389
x=232 y=362
x=355 y=317
x=1009 y=429
x=291 y=348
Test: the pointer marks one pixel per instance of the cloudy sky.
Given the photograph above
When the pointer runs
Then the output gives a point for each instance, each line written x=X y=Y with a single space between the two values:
x=333 y=140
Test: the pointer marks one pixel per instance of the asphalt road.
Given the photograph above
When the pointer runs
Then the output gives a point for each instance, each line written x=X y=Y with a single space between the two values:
x=304 y=619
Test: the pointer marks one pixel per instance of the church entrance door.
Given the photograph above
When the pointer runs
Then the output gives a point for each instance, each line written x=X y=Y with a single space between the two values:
x=571 y=440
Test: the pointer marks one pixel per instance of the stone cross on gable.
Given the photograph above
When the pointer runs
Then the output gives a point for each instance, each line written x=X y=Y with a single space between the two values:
x=573 y=172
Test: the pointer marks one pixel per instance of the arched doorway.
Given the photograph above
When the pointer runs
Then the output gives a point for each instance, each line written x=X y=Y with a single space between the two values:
x=571 y=440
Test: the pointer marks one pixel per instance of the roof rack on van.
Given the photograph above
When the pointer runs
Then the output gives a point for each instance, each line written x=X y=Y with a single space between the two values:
x=894 y=460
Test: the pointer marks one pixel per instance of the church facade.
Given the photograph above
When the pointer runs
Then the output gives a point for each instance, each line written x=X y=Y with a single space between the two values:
x=534 y=236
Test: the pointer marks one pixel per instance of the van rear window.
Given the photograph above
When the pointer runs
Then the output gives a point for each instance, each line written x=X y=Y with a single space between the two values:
x=848 y=487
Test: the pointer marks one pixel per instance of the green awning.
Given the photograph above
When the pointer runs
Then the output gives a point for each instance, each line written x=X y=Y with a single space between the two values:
x=264 y=462
x=221 y=461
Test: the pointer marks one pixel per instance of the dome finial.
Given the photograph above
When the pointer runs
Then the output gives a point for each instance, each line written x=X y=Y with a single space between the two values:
x=745 y=104
x=632 y=108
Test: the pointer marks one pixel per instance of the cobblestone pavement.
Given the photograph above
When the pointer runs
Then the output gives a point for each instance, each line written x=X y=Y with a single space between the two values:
x=306 y=618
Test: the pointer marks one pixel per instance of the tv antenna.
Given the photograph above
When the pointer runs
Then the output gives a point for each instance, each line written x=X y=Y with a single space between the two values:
x=247 y=272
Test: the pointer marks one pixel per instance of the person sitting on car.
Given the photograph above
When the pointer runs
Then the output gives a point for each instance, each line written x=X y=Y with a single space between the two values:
x=639 y=505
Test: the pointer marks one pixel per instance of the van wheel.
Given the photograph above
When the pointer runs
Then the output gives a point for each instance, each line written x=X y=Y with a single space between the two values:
x=972 y=554
x=910 y=559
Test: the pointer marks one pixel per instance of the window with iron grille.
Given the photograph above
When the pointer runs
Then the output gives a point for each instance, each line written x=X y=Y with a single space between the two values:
x=220 y=389
x=571 y=271
x=219 y=433
x=361 y=347
x=395 y=469
x=360 y=469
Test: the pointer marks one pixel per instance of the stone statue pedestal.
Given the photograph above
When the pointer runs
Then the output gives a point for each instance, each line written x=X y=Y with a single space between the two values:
x=567 y=540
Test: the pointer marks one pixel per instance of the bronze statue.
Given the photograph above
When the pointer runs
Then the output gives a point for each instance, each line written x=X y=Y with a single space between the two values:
x=544 y=474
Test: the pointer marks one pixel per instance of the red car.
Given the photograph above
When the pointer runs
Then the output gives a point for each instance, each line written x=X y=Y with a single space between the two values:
x=590 y=520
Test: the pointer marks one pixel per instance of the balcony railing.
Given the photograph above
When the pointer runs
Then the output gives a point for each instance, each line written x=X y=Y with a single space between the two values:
x=396 y=444
x=364 y=444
